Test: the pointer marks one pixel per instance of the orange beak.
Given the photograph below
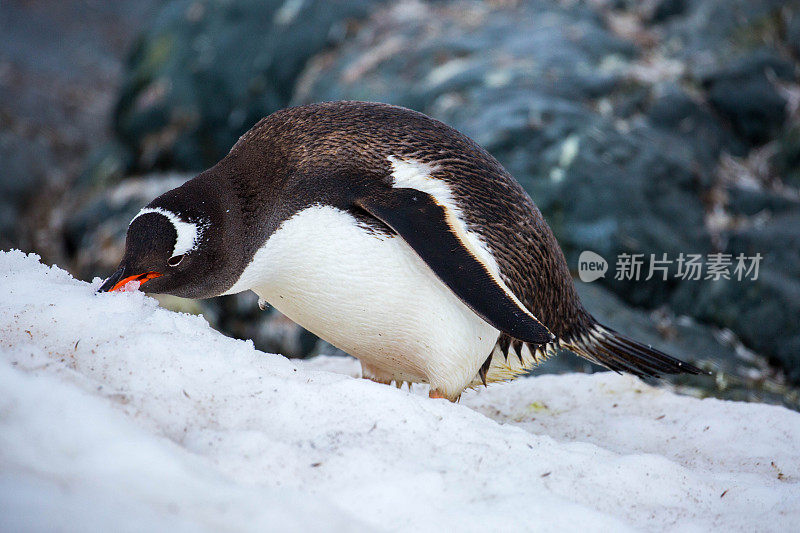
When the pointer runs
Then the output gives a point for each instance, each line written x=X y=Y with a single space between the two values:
x=115 y=282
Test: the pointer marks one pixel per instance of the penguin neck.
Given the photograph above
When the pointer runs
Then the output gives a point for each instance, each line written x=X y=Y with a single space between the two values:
x=248 y=207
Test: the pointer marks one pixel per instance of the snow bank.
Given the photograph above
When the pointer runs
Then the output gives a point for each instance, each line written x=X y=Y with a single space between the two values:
x=116 y=414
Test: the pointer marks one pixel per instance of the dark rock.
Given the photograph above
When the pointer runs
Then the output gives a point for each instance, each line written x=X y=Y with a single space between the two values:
x=106 y=165
x=710 y=32
x=750 y=203
x=666 y=9
x=777 y=239
x=743 y=93
x=786 y=160
x=22 y=172
x=762 y=311
x=675 y=112
x=206 y=71
x=793 y=33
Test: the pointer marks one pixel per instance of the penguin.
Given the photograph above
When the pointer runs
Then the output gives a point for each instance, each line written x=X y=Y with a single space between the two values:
x=390 y=235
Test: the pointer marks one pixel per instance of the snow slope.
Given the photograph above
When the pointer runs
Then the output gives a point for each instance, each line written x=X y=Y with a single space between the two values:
x=116 y=414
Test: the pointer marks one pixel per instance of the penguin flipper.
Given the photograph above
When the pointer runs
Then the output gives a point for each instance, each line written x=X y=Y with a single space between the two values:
x=439 y=239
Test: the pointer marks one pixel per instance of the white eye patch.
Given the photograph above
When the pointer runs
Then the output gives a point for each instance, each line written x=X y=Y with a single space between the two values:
x=188 y=233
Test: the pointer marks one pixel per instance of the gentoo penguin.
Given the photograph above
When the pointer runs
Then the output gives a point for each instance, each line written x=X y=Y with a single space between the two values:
x=390 y=235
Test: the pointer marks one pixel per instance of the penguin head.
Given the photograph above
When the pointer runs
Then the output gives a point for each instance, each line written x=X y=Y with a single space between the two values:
x=171 y=247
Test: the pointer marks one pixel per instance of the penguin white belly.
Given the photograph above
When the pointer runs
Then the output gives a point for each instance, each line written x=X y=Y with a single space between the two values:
x=371 y=296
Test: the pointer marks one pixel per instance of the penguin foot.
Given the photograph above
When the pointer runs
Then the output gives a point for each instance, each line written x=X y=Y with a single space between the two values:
x=436 y=393
x=373 y=374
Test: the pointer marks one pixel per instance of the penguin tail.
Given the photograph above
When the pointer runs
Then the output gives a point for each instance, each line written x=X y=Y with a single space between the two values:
x=606 y=347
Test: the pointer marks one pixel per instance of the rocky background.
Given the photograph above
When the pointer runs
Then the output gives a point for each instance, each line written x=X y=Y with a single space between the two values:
x=651 y=127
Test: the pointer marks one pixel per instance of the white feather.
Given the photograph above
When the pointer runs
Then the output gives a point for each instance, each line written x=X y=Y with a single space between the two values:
x=371 y=296
x=189 y=233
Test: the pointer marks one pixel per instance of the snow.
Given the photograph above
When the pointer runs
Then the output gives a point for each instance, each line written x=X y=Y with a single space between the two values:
x=116 y=414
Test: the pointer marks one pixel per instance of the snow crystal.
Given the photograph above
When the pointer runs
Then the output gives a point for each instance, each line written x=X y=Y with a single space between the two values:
x=116 y=414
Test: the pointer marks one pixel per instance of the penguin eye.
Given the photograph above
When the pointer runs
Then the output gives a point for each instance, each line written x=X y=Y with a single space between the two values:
x=175 y=260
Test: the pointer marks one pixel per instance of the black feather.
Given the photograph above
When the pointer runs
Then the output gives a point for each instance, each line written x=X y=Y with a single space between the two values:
x=622 y=354
x=485 y=369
